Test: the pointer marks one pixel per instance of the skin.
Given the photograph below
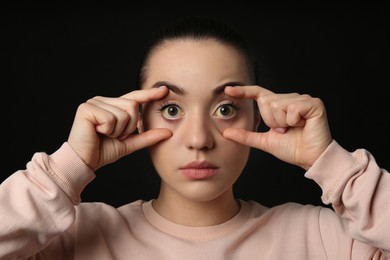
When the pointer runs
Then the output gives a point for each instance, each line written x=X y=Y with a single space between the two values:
x=103 y=129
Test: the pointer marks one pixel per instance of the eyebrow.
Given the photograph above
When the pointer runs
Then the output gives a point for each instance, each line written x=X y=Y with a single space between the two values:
x=180 y=91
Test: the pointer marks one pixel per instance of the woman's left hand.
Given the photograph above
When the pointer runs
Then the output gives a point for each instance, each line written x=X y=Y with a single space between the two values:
x=299 y=131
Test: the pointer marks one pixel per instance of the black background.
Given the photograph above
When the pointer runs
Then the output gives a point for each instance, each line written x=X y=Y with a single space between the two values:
x=56 y=57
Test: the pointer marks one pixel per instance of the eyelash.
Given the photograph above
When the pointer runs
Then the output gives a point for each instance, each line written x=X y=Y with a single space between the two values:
x=166 y=104
x=232 y=103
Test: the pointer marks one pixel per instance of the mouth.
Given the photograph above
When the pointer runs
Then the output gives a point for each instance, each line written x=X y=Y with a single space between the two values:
x=199 y=170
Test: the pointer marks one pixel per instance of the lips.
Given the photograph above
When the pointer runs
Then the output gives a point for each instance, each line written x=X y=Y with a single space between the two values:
x=199 y=170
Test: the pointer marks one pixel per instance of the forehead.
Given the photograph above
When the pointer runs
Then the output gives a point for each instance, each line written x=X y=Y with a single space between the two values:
x=189 y=62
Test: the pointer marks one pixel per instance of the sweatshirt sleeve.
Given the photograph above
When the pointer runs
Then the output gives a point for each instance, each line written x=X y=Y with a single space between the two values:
x=37 y=204
x=359 y=192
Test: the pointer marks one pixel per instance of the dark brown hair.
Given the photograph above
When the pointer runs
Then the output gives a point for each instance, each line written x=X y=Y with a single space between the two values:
x=198 y=28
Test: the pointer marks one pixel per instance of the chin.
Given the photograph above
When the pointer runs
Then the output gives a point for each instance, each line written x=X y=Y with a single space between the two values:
x=203 y=193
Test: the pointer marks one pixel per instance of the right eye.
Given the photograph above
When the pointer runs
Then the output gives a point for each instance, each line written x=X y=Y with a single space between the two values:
x=171 y=111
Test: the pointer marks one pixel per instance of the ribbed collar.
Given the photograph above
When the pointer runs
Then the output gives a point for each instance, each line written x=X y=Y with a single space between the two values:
x=196 y=233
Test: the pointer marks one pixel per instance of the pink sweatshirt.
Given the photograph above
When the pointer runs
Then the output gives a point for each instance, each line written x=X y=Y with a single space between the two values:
x=41 y=217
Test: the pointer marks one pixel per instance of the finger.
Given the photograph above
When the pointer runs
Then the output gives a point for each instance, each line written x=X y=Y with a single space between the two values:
x=145 y=139
x=261 y=95
x=129 y=103
x=273 y=109
x=293 y=110
x=128 y=121
x=276 y=109
x=305 y=108
x=245 y=137
x=120 y=121
x=251 y=92
x=147 y=95
x=102 y=120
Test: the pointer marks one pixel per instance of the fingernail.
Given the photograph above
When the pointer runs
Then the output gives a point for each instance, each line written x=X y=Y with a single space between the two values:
x=280 y=130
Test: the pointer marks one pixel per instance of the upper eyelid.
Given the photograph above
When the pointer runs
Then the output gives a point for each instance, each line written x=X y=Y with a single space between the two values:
x=226 y=101
x=232 y=102
x=167 y=103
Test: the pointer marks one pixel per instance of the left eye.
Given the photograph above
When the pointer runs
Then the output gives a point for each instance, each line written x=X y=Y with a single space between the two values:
x=225 y=111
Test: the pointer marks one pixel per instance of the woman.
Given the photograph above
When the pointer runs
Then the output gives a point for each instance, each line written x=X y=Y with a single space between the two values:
x=197 y=111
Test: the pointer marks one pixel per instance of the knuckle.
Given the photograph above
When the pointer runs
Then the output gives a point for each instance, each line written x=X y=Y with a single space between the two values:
x=83 y=107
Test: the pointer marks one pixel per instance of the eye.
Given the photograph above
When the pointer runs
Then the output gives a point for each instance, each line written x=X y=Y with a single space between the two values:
x=170 y=111
x=226 y=111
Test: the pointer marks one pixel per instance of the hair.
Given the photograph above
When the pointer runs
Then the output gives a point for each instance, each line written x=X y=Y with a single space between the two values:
x=198 y=28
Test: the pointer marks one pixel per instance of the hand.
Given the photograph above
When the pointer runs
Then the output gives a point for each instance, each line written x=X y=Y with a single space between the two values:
x=103 y=128
x=299 y=131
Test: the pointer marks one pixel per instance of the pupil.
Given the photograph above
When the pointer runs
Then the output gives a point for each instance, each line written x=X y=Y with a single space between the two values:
x=172 y=111
x=225 y=110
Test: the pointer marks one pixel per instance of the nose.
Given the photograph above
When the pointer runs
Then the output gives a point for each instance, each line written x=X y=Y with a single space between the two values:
x=199 y=133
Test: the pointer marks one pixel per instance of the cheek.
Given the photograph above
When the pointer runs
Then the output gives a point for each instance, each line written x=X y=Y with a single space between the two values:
x=241 y=122
x=161 y=152
x=158 y=122
x=165 y=156
x=244 y=120
x=235 y=153
x=235 y=158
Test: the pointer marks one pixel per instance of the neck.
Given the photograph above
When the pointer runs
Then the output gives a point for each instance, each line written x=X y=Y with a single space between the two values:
x=187 y=212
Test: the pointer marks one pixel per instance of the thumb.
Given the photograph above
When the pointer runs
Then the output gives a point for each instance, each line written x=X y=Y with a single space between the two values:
x=245 y=137
x=145 y=139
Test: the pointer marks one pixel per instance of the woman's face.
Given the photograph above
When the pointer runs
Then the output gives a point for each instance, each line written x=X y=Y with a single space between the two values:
x=197 y=162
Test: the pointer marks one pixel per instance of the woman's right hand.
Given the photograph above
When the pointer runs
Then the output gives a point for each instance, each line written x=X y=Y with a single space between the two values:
x=103 y=128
